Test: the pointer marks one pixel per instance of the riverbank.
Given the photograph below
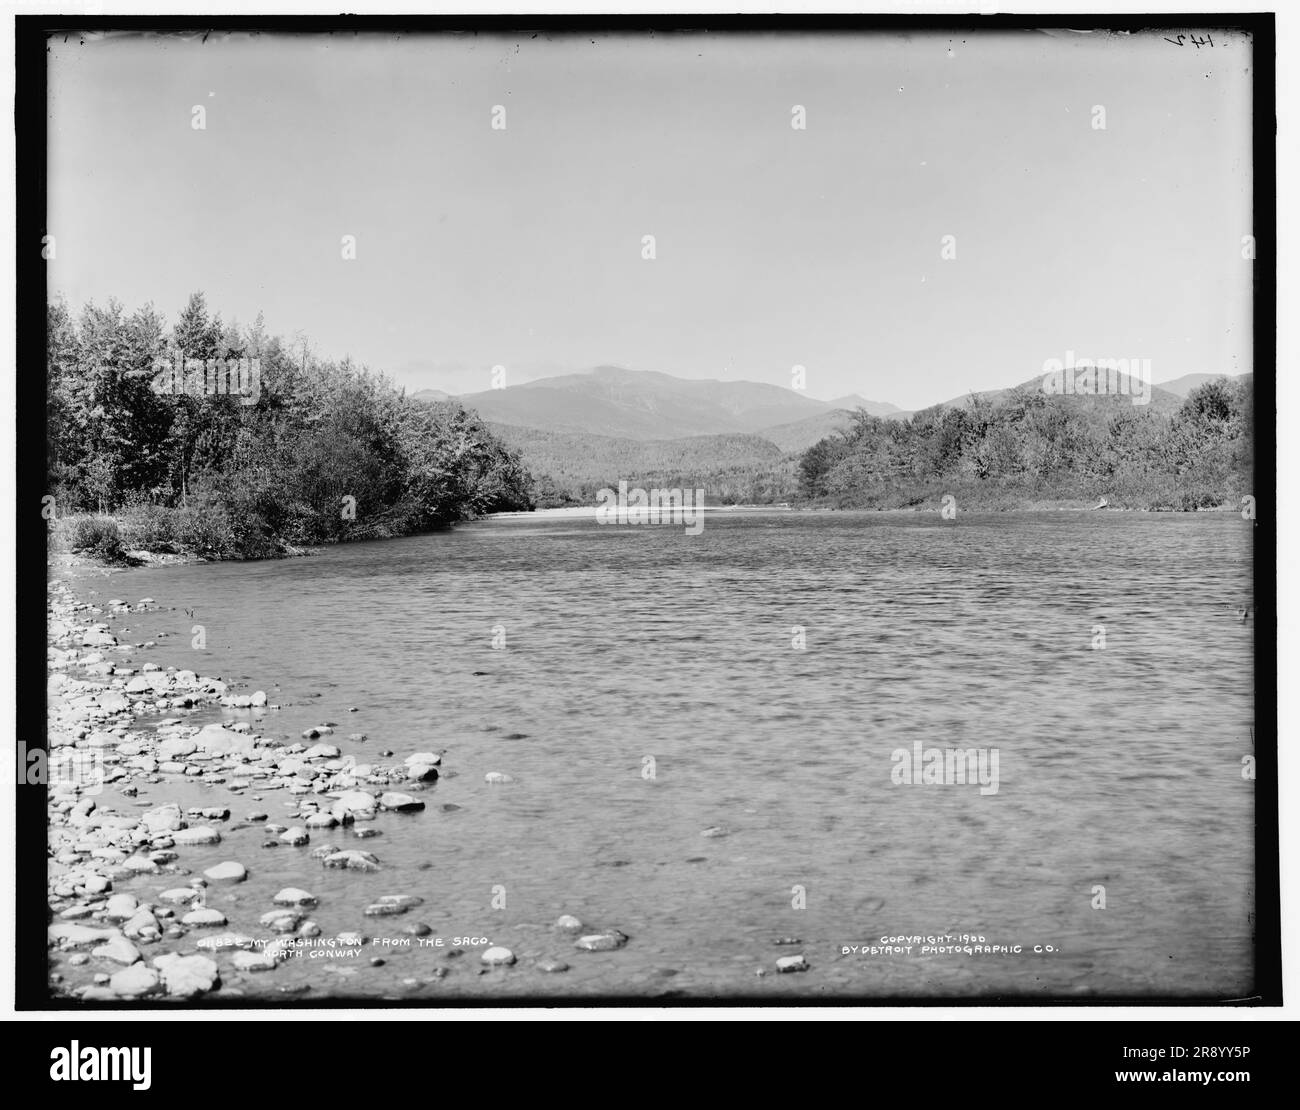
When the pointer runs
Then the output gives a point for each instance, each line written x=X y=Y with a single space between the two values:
x=164 y=786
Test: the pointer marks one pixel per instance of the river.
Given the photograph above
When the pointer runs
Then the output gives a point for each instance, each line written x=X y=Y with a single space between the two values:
x=767 y=682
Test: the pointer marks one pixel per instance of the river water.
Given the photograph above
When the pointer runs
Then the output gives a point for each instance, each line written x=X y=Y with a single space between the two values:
x=647 y=685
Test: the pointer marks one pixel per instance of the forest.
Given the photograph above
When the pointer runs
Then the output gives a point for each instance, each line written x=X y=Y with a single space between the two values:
x=1028 y=449
x=328 y=452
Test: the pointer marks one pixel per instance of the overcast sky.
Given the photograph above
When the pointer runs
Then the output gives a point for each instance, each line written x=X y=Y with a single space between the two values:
x=775 y=246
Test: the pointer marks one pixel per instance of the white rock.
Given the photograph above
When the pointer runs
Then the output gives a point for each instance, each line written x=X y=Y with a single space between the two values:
x=121 y=906
x=497 y=778
x=206 y=916
x=163 y=819
x=134 y=981
x=186 y=976
x=293 y=896
x=227 y=872
x=119 y=950
x=792 y=963
x=198 y=835
x=498 y=957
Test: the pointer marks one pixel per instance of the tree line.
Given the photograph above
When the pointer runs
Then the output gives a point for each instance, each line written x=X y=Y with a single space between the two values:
x=329 y=451
x=1029 y=447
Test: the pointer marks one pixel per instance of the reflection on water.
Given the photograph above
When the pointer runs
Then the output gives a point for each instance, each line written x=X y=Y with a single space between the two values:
x=1119 y=767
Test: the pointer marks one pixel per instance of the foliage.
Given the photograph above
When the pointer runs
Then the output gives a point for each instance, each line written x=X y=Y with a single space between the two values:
x=1029 y=447
x=328 y=451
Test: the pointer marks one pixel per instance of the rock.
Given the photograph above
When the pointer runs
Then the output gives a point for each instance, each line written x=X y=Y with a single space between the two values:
x=142 y=925
x=178 y=895
x=118 y=949
x=113 y=702
x=406 y=901
x=292 y=896
x=322 y=751
x=201 y=834
x=353 y=860
x=384 y=909
x=95 y=884
x=258 y=698
x=498 y=957
x=186 y=976
x=421 y=772
x=792 y=963
x=429 y=759
x=121 y=906
x=163 y=819
x=552 y=967
x=71 y=935
x=176 y=748
x=567 y=923
x=204 y=917
x=417 y=929
x=218 y=740
x=715 y=831
x=357 y=802
x=607 y=941
x=295 y=836
x=321 y=821
x=403 y=803
x=281 y=921
x=134 y=981
x=227 y=872
x=497 y=778
x=263 y=960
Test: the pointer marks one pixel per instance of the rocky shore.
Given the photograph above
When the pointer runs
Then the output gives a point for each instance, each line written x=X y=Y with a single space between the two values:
x=128 y=919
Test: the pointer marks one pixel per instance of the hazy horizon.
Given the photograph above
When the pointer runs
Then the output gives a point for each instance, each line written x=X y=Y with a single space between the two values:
x=775 y=247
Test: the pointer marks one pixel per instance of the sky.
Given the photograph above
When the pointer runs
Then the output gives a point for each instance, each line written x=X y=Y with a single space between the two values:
x=774 y=247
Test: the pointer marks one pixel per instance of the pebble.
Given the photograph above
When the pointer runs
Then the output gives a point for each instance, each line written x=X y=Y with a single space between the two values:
x=118 y=949
x=552 y=967
x=403 y=803
x=568 y=923
x=497 y=778
x=792 y=963
x=602 y=942
x=293 y=896
x=200 y=835
x=353 y=860
x=227 y=872
x=186 y=976
x=206 y=916
x=134 y=981
x=295 y=836
x=497 y=956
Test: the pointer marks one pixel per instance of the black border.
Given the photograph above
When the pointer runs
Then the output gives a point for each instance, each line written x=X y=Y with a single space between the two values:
x=31 y=986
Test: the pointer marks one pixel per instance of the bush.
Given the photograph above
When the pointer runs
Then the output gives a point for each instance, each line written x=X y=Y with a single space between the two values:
x=97 y=537
x=150 y=528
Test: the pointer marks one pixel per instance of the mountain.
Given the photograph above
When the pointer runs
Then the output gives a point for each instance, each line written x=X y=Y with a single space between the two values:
x=1161 y=401
x=799 y=435
x=642 y=404
x=853 y=401
x=570 y=467
x=430 y=395
x=1181 y=387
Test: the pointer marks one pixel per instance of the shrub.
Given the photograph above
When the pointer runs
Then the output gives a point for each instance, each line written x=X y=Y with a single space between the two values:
x=150 y=528
x=97 y=537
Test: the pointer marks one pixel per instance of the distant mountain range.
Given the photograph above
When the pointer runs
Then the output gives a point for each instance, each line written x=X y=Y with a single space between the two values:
x=612 y=422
